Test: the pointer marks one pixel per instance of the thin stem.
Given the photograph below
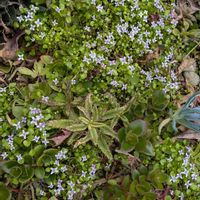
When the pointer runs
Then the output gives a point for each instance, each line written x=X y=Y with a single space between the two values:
x=32 y=192
x=198 y=44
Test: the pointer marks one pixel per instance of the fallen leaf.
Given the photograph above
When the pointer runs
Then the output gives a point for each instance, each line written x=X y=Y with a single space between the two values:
x=59 y=139
x=10 y=47
x=188 y=64
x=6 y=29
x=151 y=56
x=192 y=78
x=190 y=135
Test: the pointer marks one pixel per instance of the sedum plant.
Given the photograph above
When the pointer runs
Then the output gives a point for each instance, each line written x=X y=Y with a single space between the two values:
x=186 y=116
x=95 y=123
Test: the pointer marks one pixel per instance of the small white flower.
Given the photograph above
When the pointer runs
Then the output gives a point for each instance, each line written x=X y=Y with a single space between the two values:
x=50 y=186
x=73 y=82
x=169 y=159
x=187 y=184
x=46 y=99
x=24 y=134
x=32 y=39
x=21 y=57
x=4 y=155
x=54 y=22
x=124 y=86
x=42 y=193
x=71 y=184
x=34 y=8
x=20 y=18
x=17 y=125
x=56 y=162
x=173 y=179
x=99 y=8
x=54 y=170
x=42 y=35
x=181 y=152
x=194 y=176
x=38 y=22
x=114 y=83
x=83 y=158
x=58 y=9
x=83 y=174
x=19 y=157
x=63 y=169
x=56 y=81
x=36 y=139
x=45 y=141
x=87 y=28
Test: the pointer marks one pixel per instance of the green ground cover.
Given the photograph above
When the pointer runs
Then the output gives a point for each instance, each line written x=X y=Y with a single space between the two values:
x=99 y=100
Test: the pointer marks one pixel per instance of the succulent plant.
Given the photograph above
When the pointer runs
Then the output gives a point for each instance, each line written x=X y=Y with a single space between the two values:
x=186 y=116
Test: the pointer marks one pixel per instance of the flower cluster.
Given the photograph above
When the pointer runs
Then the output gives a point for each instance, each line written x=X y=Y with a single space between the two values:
x=177 y=160
x=72 y=172
x=31 y=130
x=117 y=42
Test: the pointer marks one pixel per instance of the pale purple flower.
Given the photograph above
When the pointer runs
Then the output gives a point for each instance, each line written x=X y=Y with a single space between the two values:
x=21 y=57
x=45 y=98
x=19 y=157
x=4 y=155
x=38 y=22
x=58 y=9
x=54 y=170
x=36 y=139
x=99 y=8
x=55 y=81
x=24 y=134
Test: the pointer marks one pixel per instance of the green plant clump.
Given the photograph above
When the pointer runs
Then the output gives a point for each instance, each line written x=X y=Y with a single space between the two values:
x=181 y=162
x=119 y=47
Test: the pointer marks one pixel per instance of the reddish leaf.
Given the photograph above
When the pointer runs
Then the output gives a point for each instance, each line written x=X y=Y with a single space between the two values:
x=59 y=139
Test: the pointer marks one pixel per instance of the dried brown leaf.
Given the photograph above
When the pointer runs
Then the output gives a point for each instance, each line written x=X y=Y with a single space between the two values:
x=6 y=29
x=190 y=135
x=10 y=47
x=188 y=64
x=60 y=138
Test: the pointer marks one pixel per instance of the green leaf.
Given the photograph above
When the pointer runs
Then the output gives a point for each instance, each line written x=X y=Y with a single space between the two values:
x=93 y=134
x=39 y=172
x=145 y=146
x=162 y=124
x=8 y=165
x=103 y=146
x=84 y=120
x=84 y=111
x=27 y=174
x=5 y=194
x=5 y=68
x=159 y=100
x=149 y=196
x=70 y=125
x=157 y=178
x=82 y=140
x=88 y=103
x=122 y=134
x=108 y=131
x=26 y=71
x=113 y=113
x=131 y=138
x=15 y=171
x=37 y=151
x=138 y=127
x=17 y=111
x=39 y=69
x=45 y=59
